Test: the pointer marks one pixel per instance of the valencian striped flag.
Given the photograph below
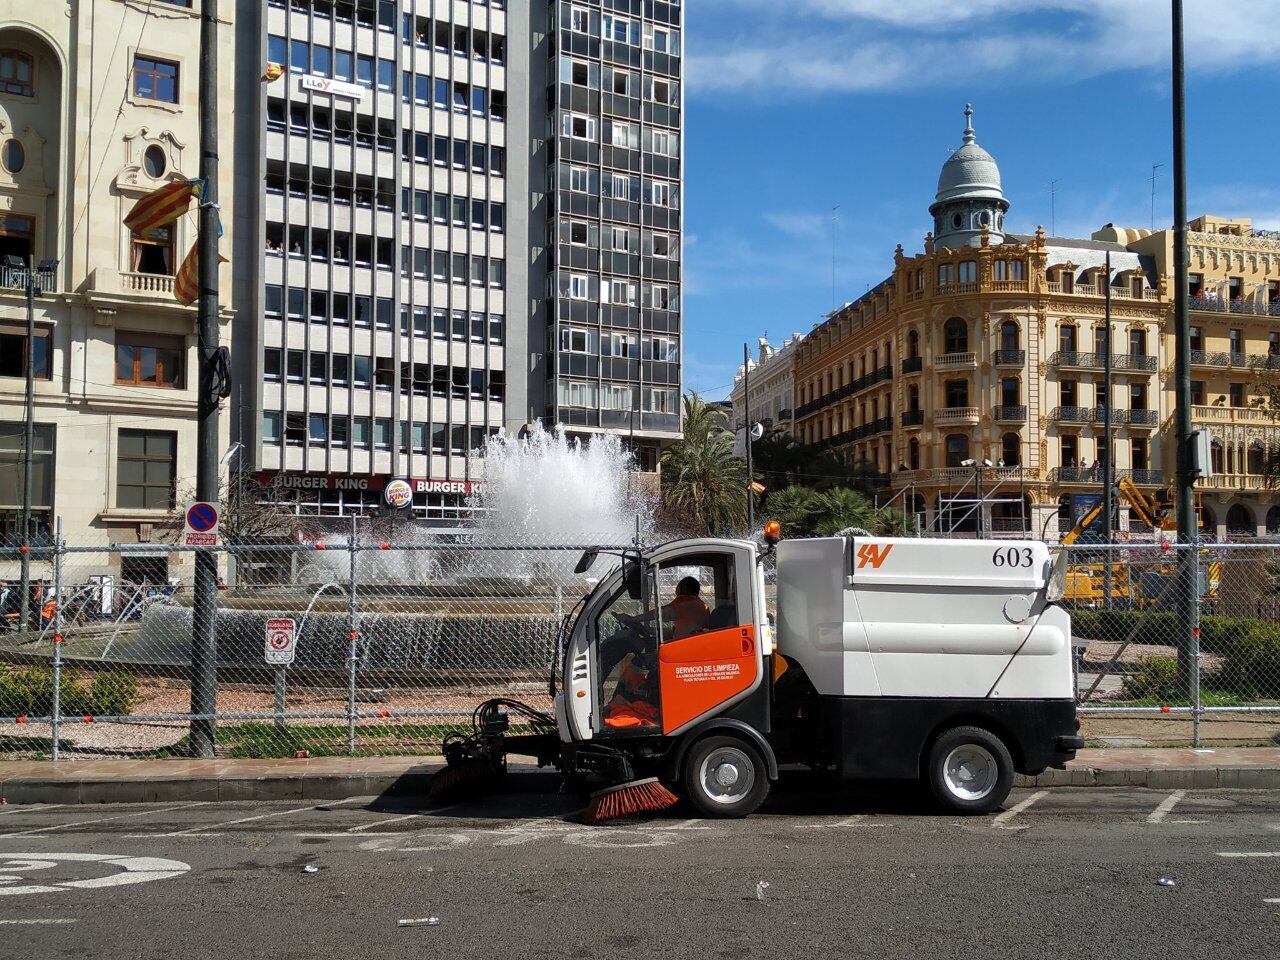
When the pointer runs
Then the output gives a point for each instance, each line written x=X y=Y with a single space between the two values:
x=186 y=285
x=162 y=206
x=273 y=72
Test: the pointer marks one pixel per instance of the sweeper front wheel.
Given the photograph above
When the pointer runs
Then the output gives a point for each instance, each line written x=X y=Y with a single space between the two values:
x=725 y=777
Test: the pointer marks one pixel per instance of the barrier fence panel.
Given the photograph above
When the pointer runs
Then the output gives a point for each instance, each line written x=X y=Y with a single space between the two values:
x=352 y=644
x=345 y=645
x=1177 y=643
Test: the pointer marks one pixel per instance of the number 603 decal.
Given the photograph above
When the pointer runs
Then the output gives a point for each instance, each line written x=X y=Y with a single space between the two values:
x=1013 y=557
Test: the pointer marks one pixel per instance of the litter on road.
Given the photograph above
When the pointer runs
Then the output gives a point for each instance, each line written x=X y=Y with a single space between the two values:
x=1167 y=882
x=310 y=868
x=761 y=887
x=419 y=922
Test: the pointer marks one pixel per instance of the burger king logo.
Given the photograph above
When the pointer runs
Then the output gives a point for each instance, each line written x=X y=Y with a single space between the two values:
x=398 y=494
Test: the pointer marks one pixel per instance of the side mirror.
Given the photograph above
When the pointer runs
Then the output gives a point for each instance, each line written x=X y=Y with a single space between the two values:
x=633 y=578
x=586 y=560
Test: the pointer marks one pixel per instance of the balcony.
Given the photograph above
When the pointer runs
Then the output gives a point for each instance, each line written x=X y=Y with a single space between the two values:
x=1072 y=414
x=1014 y=414
x=1076 y=474
x=1239 y=361
x=1076 y=359
x=913 y=418
x=1230 y=481
x=956 y=361
x=1144 y=477
x=1205 y=414
x=147 y=284
x=1138 y=362
x=1009 y=286
x=784 y=415
x=1009 y=358
x=956 y=477
x=111 y=289
x=11 y=279
x=1141 y=418
x=949 y=416
x=912 y=365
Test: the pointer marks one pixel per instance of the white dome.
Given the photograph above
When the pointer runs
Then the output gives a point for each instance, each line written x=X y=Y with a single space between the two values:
x=970 y=172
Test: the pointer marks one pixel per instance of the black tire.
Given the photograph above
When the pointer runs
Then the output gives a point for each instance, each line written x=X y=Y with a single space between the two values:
x=735 y=767
x=970 y=770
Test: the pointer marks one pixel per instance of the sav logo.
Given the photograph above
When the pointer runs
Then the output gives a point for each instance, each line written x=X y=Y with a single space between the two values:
x=873 y=555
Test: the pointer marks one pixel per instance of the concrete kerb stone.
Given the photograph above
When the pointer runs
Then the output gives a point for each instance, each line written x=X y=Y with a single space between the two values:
x=330 y=784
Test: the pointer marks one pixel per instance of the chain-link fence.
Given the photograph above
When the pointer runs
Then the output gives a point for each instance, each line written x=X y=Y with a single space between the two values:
x=1176 y=643
x=344 y=645
x=385 y=647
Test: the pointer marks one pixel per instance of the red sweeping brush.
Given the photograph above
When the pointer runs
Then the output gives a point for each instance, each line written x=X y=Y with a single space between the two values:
x=628 y=800
x=459 y=779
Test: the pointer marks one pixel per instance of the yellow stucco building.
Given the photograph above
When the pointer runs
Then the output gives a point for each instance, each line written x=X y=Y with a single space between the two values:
x=974 y=372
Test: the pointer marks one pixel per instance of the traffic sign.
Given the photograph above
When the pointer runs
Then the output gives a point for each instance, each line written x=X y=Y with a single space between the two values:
x=281 y=641
x=200 y=524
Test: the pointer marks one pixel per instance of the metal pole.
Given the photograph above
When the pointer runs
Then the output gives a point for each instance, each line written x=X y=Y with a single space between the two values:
x=281 y=685
x=204 y=622
x=28 y=449
x=55 y=713
x=1187 y=525
x=1196 y=706
x=1108 y=534
x=746 y=426
x=977 y=492
x=354 y=636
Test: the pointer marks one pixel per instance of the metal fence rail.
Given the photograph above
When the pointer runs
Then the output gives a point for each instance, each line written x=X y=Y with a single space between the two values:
x=396 y=643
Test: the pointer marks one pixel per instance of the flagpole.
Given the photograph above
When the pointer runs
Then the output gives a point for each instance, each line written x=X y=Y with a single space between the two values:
x=204 y=627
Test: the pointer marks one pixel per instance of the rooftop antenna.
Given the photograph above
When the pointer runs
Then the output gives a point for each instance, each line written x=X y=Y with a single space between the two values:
x=1053 y=208
x=1154 y=168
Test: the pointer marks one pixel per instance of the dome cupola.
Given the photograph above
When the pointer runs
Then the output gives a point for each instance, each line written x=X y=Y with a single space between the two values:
x=969 y=195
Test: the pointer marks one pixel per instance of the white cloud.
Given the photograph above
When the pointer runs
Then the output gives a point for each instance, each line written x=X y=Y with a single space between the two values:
x=866 y=45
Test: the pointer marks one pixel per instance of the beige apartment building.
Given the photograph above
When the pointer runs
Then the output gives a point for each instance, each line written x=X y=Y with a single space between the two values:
x=98 y=106
x=973 y=375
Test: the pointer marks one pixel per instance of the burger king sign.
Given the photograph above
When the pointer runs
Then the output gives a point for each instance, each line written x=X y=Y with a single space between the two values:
x=397 y=494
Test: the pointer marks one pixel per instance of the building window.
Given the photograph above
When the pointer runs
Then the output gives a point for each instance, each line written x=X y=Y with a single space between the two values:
x=17 y=236
x=956 y=336
x=1010 y=392
x=957 y=449
x=1197 y=392
x=1067 y=391
x=271 y=426
x=155 y=79
x=17 y=74
x=1011 y=449
x=13 y=156
x=149 y=361
x=1008 y=335
x=1137 y=396
x=1069 y=445
x=1138 y=454
x=15 y=355
x=12 y=460
x=913 y=454
x=1067 y=338
x=145 y=469
x=968 y=271
x=152 y=252
x=1237 y=394
x=957 y=393
x=154 y=161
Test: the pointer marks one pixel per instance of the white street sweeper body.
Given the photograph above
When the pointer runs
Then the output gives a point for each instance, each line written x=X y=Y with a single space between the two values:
x=946 y=660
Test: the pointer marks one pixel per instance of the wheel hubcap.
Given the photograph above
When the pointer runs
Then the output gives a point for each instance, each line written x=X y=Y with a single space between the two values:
x=970 y=771
x=727 y=775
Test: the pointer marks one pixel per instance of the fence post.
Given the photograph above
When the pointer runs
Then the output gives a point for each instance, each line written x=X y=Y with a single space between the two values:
x=353 y=637
x=1195 y=641
x=55 y=713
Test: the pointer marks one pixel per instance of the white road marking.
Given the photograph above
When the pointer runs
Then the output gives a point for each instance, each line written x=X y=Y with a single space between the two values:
x=1276 y=900
x=1002 y=821
x=1166 y=805
x=41 y=922
x=131 y=870
x=857 y=820
x=1237 y=855
x=31 y=808
x=210 y=828
x=85 y=823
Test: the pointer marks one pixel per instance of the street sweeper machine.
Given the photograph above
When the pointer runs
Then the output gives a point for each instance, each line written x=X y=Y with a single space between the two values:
x=942 y=660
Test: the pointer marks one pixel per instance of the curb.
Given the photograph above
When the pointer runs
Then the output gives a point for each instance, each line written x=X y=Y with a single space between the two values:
x=414 y=780
x=1158 y=778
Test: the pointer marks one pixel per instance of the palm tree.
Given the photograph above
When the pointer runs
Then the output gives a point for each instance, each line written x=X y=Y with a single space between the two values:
x=703 y=483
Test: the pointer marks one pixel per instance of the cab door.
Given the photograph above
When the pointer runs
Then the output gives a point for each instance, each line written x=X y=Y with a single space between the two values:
x=706 y=662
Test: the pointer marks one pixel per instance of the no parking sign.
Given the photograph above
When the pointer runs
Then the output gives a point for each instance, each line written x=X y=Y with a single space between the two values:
x=281 y=641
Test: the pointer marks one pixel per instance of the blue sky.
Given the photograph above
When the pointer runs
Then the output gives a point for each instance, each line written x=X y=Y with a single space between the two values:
x=797 y=107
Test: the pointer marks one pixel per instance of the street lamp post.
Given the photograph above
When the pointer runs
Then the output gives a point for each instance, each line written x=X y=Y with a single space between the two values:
x=977 y=466
x=28 y=271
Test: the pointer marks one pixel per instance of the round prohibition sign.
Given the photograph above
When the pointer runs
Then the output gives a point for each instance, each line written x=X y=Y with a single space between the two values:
x=202 y=517
x=280 y=639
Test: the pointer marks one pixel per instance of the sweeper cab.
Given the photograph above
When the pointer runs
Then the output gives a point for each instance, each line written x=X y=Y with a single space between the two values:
x=944 y=660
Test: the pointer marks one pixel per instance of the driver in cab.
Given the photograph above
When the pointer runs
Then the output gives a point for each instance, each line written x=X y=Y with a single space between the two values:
x=633 y=701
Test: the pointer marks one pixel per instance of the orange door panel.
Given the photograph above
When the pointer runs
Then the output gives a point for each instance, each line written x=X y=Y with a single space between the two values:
x=699 y=673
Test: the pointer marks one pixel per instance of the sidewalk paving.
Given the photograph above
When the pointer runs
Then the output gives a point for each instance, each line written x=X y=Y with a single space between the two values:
x=336 y=778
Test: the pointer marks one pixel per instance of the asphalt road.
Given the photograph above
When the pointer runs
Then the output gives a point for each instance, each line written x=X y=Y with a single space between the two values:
x=875 y=873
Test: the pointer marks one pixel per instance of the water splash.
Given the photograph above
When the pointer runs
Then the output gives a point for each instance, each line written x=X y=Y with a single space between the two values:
x=547 y=489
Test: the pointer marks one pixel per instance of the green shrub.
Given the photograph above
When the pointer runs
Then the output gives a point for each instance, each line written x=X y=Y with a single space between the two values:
x=1156 y=679
x=29 y=692
x=114 y=693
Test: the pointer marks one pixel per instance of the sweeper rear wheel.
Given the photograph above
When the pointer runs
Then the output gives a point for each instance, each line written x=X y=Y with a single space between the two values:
x=725 y=777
